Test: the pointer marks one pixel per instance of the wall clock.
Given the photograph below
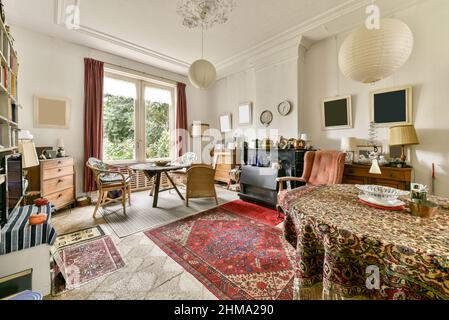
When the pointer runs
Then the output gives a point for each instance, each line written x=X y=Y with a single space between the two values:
x=266 y=118
x=284 y=108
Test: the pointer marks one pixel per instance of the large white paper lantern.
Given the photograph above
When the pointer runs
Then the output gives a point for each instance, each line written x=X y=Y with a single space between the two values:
x=368 y=56
x=202 y=74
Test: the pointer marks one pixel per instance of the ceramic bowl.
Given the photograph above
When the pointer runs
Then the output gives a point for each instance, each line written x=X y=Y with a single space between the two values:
x=381 y=193
x=161 y=163
x=36 y=219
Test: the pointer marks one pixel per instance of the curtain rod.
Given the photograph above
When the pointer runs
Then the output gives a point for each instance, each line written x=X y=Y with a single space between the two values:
x=141 y=72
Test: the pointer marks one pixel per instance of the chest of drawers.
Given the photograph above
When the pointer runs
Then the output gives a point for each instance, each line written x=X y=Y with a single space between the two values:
x=57 y=182
x=398 y=178
x=225 y=162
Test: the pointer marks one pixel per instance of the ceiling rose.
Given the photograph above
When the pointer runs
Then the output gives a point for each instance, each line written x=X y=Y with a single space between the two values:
x=368 y=56
x=205 y=13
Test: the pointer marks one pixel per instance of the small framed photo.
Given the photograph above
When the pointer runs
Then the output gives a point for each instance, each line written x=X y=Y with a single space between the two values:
x=349 y=157
x=363 y=152
x=337 y=113
x=246 y=113
x=226 y=123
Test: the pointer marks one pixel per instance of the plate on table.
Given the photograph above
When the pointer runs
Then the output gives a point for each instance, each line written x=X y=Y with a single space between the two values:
x=382 y=204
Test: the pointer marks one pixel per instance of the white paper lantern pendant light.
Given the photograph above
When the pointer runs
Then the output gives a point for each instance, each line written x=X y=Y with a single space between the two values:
x=368 y=56
x=202 y=73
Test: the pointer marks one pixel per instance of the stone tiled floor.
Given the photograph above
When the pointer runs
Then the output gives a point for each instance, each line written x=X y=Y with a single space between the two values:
x=149 y=273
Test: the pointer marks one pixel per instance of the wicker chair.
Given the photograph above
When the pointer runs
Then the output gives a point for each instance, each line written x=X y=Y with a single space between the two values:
x=109 y=178
x=200 y=183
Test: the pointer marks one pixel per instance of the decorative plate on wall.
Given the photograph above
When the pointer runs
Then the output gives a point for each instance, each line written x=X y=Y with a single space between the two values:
x=266 y=118
x=284 y=108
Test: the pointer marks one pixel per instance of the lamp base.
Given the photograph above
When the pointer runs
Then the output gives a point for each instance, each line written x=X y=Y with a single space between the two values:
x=403 y=156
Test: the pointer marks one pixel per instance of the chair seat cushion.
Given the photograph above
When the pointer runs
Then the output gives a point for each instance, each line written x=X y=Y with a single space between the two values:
x=112 y=178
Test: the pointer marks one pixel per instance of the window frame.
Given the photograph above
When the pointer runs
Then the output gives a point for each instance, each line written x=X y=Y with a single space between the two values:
x=141 y=82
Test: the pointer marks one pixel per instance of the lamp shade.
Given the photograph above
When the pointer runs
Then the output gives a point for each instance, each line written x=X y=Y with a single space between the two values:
x=403 y=135
x=304 y=137
x=29 y=155
x=202 y=74
x=375 y=169
x=368 y=56
x=60 y=143
x=348 y=144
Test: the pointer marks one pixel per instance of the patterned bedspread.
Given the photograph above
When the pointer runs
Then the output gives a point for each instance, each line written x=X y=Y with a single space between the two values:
x=348 y=250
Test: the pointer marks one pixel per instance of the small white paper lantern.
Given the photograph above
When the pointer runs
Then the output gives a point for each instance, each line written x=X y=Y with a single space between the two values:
x=368 y=56
x=202 y=74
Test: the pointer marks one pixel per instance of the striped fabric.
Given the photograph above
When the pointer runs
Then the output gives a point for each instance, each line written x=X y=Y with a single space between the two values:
x=18 y=234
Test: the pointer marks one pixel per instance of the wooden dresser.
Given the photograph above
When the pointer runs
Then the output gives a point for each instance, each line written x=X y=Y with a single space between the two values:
x=398 y=178
x=57 y=181
x=225 y=162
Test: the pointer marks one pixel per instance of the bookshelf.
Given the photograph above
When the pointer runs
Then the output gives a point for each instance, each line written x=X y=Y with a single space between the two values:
x=9 y=113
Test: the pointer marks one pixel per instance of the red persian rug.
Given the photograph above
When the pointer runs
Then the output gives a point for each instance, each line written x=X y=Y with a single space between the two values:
x=235 y=257
x=254 y=211
x=83 y=262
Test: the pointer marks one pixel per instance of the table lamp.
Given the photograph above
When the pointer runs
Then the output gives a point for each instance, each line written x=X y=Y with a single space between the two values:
x=61 y=151
x=404 y=135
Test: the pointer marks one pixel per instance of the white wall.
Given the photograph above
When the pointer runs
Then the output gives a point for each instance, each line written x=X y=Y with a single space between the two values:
x=53 y=67
x=427 y=71
x=266 y=80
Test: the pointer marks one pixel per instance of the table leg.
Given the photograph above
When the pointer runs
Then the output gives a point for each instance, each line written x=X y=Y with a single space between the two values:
x=156 y=190
x=174 y=186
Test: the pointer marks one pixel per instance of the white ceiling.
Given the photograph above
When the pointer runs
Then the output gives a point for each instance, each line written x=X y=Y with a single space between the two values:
x=150 y=31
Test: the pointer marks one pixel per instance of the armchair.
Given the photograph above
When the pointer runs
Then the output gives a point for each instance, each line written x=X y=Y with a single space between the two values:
x=109 y=178
x=200 y=183
x=323 y=167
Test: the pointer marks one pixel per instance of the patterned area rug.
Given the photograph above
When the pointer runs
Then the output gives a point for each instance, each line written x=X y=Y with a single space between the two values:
x=235 y=257
x=254 y=211
x=79 y=263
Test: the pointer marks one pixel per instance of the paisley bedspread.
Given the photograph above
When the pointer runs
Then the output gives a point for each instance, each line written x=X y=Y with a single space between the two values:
x=346 y=250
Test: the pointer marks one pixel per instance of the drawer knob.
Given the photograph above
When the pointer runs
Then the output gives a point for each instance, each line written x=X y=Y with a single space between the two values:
x=59 y=181
x=59 y=170
x=60 y=196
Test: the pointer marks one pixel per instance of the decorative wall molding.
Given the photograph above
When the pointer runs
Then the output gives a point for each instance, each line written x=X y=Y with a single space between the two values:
x=60 y=6
x=280 y=40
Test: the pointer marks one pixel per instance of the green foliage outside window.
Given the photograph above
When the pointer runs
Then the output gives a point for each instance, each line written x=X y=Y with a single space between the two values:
x=119 y=132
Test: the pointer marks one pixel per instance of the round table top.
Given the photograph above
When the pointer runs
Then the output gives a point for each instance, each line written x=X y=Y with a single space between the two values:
x=154 y=168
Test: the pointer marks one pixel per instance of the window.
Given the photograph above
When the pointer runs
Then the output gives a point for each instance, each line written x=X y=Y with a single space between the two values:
x=138 y=118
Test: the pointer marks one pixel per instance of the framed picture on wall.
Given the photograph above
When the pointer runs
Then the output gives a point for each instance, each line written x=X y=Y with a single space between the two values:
x=226 y=123
x=392 y=106
x=337 y=113
x=51 y=112
x=245 y=113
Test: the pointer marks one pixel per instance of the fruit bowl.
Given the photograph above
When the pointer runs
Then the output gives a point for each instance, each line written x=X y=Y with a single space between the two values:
x=161 y=163
x=381 y=193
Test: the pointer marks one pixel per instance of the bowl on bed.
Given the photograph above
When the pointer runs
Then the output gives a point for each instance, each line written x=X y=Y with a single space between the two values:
x=381 y=193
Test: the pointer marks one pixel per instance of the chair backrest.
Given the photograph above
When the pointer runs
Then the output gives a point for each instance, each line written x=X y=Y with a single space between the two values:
x=324 y=167
x=200 y=180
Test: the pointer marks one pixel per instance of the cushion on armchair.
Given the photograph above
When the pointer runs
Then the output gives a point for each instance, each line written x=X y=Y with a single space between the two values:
x=111 y=178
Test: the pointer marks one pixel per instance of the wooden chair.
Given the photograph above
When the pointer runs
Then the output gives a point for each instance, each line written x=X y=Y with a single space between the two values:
x=109 y=178
x=200 y=183
x=324 y=167
x=180 y=176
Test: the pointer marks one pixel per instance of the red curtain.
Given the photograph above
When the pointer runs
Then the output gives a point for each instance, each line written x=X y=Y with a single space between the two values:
x=181 y=120
x=93 y=117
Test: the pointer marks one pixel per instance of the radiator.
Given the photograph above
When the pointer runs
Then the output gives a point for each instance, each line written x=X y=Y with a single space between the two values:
x=140 y=181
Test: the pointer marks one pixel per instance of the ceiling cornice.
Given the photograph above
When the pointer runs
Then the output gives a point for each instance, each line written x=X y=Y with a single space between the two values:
x=291 y=35
x=59 y=20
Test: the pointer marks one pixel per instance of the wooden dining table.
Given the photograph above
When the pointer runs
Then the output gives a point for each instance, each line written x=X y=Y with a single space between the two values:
x=155 y=172
x=348 y=250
